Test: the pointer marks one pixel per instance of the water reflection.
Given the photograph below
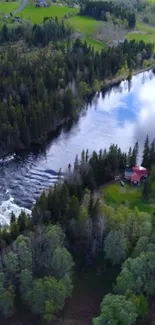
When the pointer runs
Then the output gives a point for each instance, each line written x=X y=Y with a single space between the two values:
x=122 y=114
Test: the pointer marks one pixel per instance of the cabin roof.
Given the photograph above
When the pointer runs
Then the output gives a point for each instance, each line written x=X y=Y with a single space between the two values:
x=139 y=168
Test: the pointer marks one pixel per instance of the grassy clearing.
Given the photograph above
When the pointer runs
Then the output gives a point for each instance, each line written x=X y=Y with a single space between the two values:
x=142 y=32
x=87 y=27
x=7 y=7
x=98 y=45
x=37 y=14
x=115 y=195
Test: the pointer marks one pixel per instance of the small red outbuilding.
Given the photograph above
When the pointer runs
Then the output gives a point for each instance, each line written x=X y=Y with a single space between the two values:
x=140 y=171
x=135 y=179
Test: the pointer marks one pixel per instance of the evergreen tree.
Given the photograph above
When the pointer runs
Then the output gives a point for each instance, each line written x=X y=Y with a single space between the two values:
x=146 y=153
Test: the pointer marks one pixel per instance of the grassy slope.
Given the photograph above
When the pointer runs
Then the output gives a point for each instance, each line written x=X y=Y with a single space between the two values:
x=87 y=26
x=7 y=7
x=142 y=32
x=37 y=14
x=84 y=25
x=115 y=194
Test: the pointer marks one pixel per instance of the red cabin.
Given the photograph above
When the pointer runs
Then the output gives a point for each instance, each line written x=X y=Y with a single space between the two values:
x=135 y=179
x=140 y=171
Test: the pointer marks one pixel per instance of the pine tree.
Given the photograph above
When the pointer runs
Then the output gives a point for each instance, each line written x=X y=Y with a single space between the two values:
x=152 y=154
x=146 y=153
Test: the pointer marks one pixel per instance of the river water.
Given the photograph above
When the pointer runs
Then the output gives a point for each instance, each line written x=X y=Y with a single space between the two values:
x=122 y=115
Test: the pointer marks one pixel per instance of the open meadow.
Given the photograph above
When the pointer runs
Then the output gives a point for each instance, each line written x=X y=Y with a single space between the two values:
x=87 y=27
x=7 y=7
x=37 y=14
x=115 y=194
x=142 y=32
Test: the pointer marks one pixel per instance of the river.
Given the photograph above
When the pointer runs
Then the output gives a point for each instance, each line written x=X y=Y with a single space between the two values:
x=122 y=115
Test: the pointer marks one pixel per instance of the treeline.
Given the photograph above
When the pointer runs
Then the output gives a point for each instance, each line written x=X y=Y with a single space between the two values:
x=148 y=190
x=148 y=159
x=36 y=270
x=99 y=10
x=50 y=30
x=39 y=92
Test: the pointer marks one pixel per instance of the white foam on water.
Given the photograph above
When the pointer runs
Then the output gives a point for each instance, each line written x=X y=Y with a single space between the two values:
x=8 y=158
x=7 y=207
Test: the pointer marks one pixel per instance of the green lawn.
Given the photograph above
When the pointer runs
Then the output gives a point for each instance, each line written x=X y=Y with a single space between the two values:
x=142 y=32
x=37 y=14
x=7 y=7
x=87 y=27
x=96 y=44
x=115 y=194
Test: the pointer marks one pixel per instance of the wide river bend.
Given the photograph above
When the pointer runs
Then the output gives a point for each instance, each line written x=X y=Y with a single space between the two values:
x=122 y=115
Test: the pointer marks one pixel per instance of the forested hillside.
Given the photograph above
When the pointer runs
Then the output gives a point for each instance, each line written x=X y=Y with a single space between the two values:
x=101 y=9
x=40 y=92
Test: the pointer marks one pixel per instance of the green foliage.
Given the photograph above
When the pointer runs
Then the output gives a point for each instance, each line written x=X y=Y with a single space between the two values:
x=141 y=304
x=116 y=246
x=43 y=284
x=47 y=297
x=115 y=310
x=141 y=246
x=149 y=186
x=141 y=272
x=99 y=10
x=11 y=267
x=6 y=302
x=62 y=262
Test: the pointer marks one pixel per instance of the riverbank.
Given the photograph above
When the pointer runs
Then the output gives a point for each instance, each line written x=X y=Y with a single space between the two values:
x=69 y=121
x=126 y=76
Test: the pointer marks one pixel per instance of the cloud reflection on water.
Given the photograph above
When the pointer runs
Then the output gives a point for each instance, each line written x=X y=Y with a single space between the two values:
x=131 y=114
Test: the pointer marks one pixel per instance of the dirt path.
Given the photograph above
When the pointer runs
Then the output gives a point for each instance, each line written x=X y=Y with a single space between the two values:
x=88 y=293
x=82 y=307
x=22 y=6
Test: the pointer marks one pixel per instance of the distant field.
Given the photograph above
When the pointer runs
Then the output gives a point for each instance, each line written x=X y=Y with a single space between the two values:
x=37 y=14
x=87 y=27
x=84 y=25
x=98 y=46
x=6 y=7
x=142 y=32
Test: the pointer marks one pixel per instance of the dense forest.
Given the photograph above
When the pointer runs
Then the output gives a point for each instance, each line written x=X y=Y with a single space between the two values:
x=39 y=92
x=37 y=35
x=100 y=9
x=36 y=269
x=144 y=10
x=36 y=263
